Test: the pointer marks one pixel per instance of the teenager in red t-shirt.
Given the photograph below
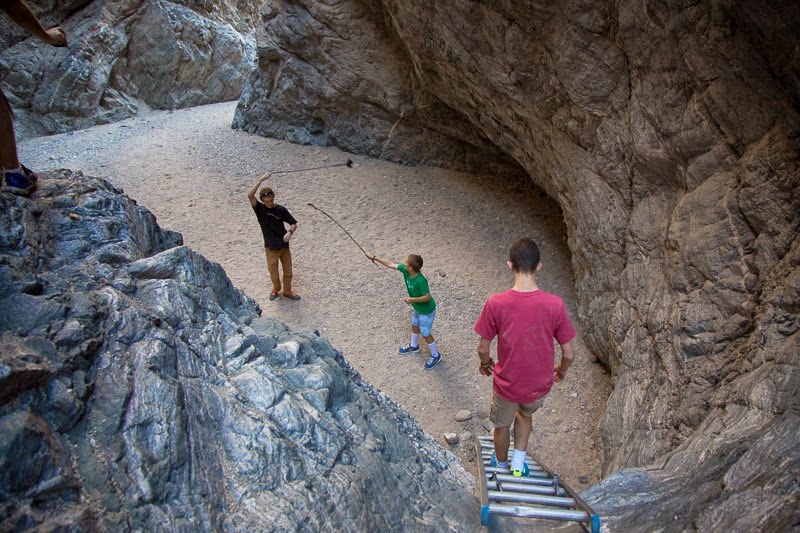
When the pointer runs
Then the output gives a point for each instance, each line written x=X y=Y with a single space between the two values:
x=525 y=321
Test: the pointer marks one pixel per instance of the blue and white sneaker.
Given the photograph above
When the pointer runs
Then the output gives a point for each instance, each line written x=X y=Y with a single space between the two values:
x=22 y=182
x=407 y=349
x=493 y=461
x=521 y=473
x=433 y=361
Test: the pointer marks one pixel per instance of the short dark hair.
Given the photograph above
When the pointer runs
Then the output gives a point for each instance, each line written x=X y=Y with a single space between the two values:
x=415 y=262
x=524 y=256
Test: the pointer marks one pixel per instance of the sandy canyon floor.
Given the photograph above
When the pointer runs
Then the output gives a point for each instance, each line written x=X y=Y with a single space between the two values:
x=193 y=172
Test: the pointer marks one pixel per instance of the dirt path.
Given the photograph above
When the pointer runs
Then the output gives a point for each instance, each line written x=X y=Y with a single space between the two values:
x=193 y=172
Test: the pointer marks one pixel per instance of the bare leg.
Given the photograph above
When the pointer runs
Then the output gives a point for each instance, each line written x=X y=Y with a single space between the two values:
x=8 y=142
x=522 y=431
x=502 y=438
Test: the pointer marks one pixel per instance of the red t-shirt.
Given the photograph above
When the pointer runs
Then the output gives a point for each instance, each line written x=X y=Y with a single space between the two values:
x=525 y=324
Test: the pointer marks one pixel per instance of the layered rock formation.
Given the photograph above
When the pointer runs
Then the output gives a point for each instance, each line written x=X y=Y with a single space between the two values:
x=140 y=391
x=669 y=133
x=123 y=53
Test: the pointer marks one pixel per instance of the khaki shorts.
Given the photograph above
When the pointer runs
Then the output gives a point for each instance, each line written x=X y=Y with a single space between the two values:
x=502 y=413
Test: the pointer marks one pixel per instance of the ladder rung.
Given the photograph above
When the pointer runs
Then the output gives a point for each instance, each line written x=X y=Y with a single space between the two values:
x=526 y=488
x=507 y=472
x=539 y=512
x=531 y=467
x=530 y=461
x=522 y=480
x=502 y=496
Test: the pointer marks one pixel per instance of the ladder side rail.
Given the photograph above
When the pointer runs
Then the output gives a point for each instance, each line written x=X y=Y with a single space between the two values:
x=485 y=511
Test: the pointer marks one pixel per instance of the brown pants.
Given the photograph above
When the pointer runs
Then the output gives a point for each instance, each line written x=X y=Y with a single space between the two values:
x=284 y=255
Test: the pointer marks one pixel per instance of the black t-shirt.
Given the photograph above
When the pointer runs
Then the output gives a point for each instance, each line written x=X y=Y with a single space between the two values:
x=272 y=221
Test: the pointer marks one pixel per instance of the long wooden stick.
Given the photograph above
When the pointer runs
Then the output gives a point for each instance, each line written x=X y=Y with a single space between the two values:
x=344 y=230
x=348 y=164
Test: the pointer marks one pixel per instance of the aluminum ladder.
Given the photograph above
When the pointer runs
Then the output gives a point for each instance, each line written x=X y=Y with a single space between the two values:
x=539 y=495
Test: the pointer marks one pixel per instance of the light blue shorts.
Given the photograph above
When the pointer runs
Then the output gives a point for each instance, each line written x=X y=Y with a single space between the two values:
x=423 y=322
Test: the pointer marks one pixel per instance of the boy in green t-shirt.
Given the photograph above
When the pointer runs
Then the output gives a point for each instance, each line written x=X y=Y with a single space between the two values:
x=422 y=303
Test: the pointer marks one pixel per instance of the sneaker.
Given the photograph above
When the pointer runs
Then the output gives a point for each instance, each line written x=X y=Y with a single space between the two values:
x=433 y=361
x=408 y=349
x=521 y=473
x=274 y=295
x=21 y=183
x=493 y=461
x=292 y=295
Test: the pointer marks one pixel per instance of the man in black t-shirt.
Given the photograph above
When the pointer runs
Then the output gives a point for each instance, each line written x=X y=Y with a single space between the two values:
x=273 y=219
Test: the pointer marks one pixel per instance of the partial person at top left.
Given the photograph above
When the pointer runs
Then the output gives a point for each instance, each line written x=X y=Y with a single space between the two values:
x=18 y=178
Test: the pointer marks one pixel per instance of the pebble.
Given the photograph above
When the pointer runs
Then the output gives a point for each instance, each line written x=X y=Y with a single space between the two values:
x=451 y=438
x=463 y=415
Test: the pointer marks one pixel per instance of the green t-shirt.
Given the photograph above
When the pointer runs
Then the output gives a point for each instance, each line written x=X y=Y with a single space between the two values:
x=416 y=287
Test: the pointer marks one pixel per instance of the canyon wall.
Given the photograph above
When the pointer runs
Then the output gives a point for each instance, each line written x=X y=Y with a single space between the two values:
x=668 y=132
x=124 y=56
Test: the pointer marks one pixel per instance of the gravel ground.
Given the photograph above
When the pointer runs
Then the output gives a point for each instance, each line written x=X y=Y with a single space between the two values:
x=193 y=171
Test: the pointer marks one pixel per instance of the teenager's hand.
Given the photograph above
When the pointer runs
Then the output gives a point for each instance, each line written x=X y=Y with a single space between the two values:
x=264 y=176
x=486 y=368
x=559 y=374
x=407 y=300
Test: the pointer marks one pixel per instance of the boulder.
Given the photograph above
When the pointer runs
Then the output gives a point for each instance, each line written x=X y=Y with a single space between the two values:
x=135 y=396
x=125 y=56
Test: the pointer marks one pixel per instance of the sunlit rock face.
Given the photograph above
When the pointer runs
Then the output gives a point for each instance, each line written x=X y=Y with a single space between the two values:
x=668 y=131
x=141 y=391
x=122 y=55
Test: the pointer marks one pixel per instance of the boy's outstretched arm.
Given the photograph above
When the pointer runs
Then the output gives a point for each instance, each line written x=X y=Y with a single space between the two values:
x=385 y=262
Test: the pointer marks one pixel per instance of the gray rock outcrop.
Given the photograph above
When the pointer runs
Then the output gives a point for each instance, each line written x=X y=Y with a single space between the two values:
x=669 y=133
x=122 y=54
x=140 y=391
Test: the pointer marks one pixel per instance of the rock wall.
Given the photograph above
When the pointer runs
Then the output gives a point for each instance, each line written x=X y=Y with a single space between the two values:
x=140 y=391
x=123 y=54
x=667 y=130
x=334 y=74
x=669 y=133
